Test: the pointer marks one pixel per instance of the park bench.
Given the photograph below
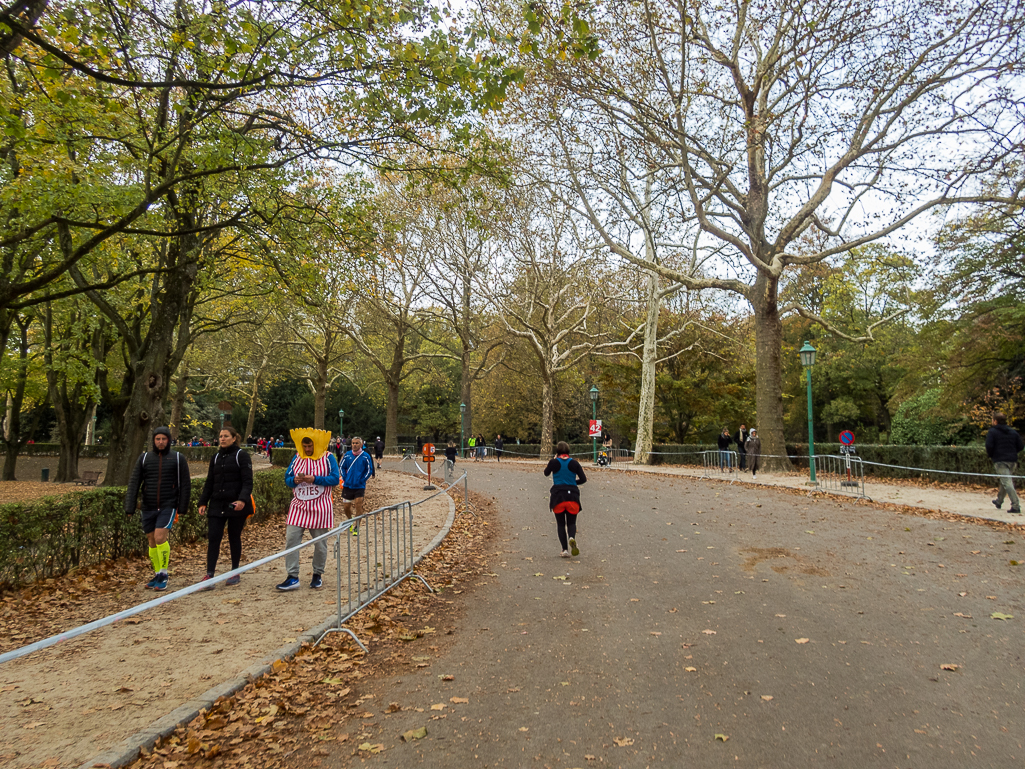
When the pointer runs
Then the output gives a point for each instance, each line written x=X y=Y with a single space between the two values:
x=89 y=478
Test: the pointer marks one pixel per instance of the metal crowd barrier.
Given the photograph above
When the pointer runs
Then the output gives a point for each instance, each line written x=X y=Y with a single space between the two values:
x=841 y=474
x=714 y=465
x=379 y=558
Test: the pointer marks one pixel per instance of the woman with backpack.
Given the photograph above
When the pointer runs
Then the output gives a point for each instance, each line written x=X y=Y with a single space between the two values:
x=227 y=500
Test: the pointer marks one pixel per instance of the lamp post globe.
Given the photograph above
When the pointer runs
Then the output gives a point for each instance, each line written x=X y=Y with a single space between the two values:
x=807 y=354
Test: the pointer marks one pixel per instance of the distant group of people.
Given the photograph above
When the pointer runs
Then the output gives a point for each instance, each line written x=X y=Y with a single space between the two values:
x=266 y=445
x=478 y=447
x=749 y=450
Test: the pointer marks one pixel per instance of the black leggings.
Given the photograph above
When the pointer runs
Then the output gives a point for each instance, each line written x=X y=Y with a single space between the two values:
x=564 y=521
x=215 y=533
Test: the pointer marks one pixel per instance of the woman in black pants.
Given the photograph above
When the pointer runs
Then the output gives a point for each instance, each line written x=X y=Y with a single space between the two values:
x=227 y=500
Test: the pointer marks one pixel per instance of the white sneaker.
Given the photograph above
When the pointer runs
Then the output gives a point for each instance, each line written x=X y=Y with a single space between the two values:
x=565 y=554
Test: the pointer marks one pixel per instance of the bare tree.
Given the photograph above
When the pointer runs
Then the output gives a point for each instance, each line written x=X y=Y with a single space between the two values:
x=844 y=119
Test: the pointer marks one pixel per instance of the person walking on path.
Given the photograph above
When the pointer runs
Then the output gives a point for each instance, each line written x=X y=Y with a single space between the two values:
x=471 y=444
x=564 y=500
x=499 y=445
x=724 y=442
x=357 y=469
x=1003 y=444
x=227 y=500
x=741 y=440
x=378 y=450
x=162 y=475
x=311 y=475
x=451 y=450
x=753 y=447
x=481 y=447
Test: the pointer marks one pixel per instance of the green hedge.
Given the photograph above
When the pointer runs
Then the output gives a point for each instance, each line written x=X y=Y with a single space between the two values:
x=50 y=536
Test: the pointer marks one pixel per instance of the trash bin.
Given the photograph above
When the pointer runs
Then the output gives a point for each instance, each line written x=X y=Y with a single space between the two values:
x=46 y=474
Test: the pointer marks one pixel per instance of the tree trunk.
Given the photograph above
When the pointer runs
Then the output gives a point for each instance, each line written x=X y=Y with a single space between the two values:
x=320 y=394
x=254 y=406
x=649 y=354
x=14 y=440
x=391 y=425
x=547 y=415
x=769 y=373
x=181 y=383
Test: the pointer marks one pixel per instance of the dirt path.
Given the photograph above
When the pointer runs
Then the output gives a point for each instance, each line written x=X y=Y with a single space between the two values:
x=62 y=706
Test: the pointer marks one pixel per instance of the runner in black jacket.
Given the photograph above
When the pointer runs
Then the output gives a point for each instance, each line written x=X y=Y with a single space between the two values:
x=567 y=477
x=163 y=477
x=1003 y=444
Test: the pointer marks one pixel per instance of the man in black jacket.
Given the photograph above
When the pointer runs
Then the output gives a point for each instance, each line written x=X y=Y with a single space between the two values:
x=740 y=438
x=1003 y=444
x=163 y=477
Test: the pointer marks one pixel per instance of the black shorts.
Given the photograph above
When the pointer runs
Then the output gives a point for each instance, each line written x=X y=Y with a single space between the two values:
x=350 y=495
x=158 y=519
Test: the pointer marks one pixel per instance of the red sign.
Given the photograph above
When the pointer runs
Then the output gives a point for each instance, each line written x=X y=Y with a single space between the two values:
x=594 y=430
x=428 y=452
x=847 y=438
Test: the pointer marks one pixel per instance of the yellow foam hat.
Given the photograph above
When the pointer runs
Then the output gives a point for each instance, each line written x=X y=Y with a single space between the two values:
x=320 y=440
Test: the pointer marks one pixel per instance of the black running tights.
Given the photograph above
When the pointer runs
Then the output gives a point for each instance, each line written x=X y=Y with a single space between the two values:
x=566 y=521
x=215 y=533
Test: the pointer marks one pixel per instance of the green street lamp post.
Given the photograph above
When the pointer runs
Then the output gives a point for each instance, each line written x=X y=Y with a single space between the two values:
x=808 y=360
x=594 y=417
x=462 y=429
x=341 y=426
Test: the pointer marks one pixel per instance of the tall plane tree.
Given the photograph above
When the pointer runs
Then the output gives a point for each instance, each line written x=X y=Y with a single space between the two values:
x=834 y=123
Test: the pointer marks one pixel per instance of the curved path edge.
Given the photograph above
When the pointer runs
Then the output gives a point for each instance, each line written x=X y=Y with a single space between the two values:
x=128 y=750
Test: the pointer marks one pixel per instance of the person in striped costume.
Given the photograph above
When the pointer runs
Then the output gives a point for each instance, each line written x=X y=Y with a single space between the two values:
x=311 y=475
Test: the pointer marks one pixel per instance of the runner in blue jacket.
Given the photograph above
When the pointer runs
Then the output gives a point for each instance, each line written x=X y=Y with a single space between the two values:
x=357 y=468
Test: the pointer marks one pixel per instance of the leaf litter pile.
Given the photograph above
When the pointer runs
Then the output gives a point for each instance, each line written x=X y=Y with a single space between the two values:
x=312 y=703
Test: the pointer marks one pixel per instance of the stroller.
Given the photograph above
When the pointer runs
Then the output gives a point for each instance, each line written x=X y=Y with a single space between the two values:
x=604 y=458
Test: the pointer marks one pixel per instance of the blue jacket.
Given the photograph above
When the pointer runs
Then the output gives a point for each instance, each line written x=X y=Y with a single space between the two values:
x=319 y=480
x=357 y=470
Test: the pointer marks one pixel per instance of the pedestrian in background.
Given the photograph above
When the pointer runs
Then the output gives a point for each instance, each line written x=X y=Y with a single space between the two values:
x=499 y=445
x=741 y=440
x=227 y=500
x=753 y=447
x=1003 y=444
x=378 y=451
x=724 y=442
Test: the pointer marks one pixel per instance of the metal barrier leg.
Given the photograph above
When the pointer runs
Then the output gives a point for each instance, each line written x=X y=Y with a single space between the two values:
x=338 y=621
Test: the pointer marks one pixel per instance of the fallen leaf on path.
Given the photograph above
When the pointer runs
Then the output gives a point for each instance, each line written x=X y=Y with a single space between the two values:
x=962 y=616
x=655 y=632
x=767 y=697
x=438 y=706
x=623 y=741
x=949 y=666
x=801 y=640
x=781 y=615
x=690 y=670
x=722 y=737
x=524 y=728
x=368 y=748
x=708 y=632
x=414 y=734
x=34 y=724
x=459 y=700
x=1001 y=615
x=447 y=677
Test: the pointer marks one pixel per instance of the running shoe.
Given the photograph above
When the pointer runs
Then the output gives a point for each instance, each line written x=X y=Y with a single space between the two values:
x=152 y=583
x=354 y=531
x=233 y=580
x=316 y=582
x=290 y=583
x=997 y=503
x=207 y=578
x=564 y=553
x=573 y=549
x=160 y=583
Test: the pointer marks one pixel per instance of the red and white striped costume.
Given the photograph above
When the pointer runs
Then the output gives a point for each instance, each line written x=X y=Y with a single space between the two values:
x=312 y=506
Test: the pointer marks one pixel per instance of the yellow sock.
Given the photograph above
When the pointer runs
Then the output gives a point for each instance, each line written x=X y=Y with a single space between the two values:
x=154 y=558
x=164 y=556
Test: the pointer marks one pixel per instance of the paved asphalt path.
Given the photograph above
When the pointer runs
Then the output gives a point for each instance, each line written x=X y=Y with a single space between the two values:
x=683 y=619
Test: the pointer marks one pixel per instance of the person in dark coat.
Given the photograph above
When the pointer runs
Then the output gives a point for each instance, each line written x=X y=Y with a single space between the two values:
x=1003 y=444
x=753 y=446
x=162 y=476
x=740 y=438
x=499 y=445
x=378 y=450
x=724 y=442
x=227 y=500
